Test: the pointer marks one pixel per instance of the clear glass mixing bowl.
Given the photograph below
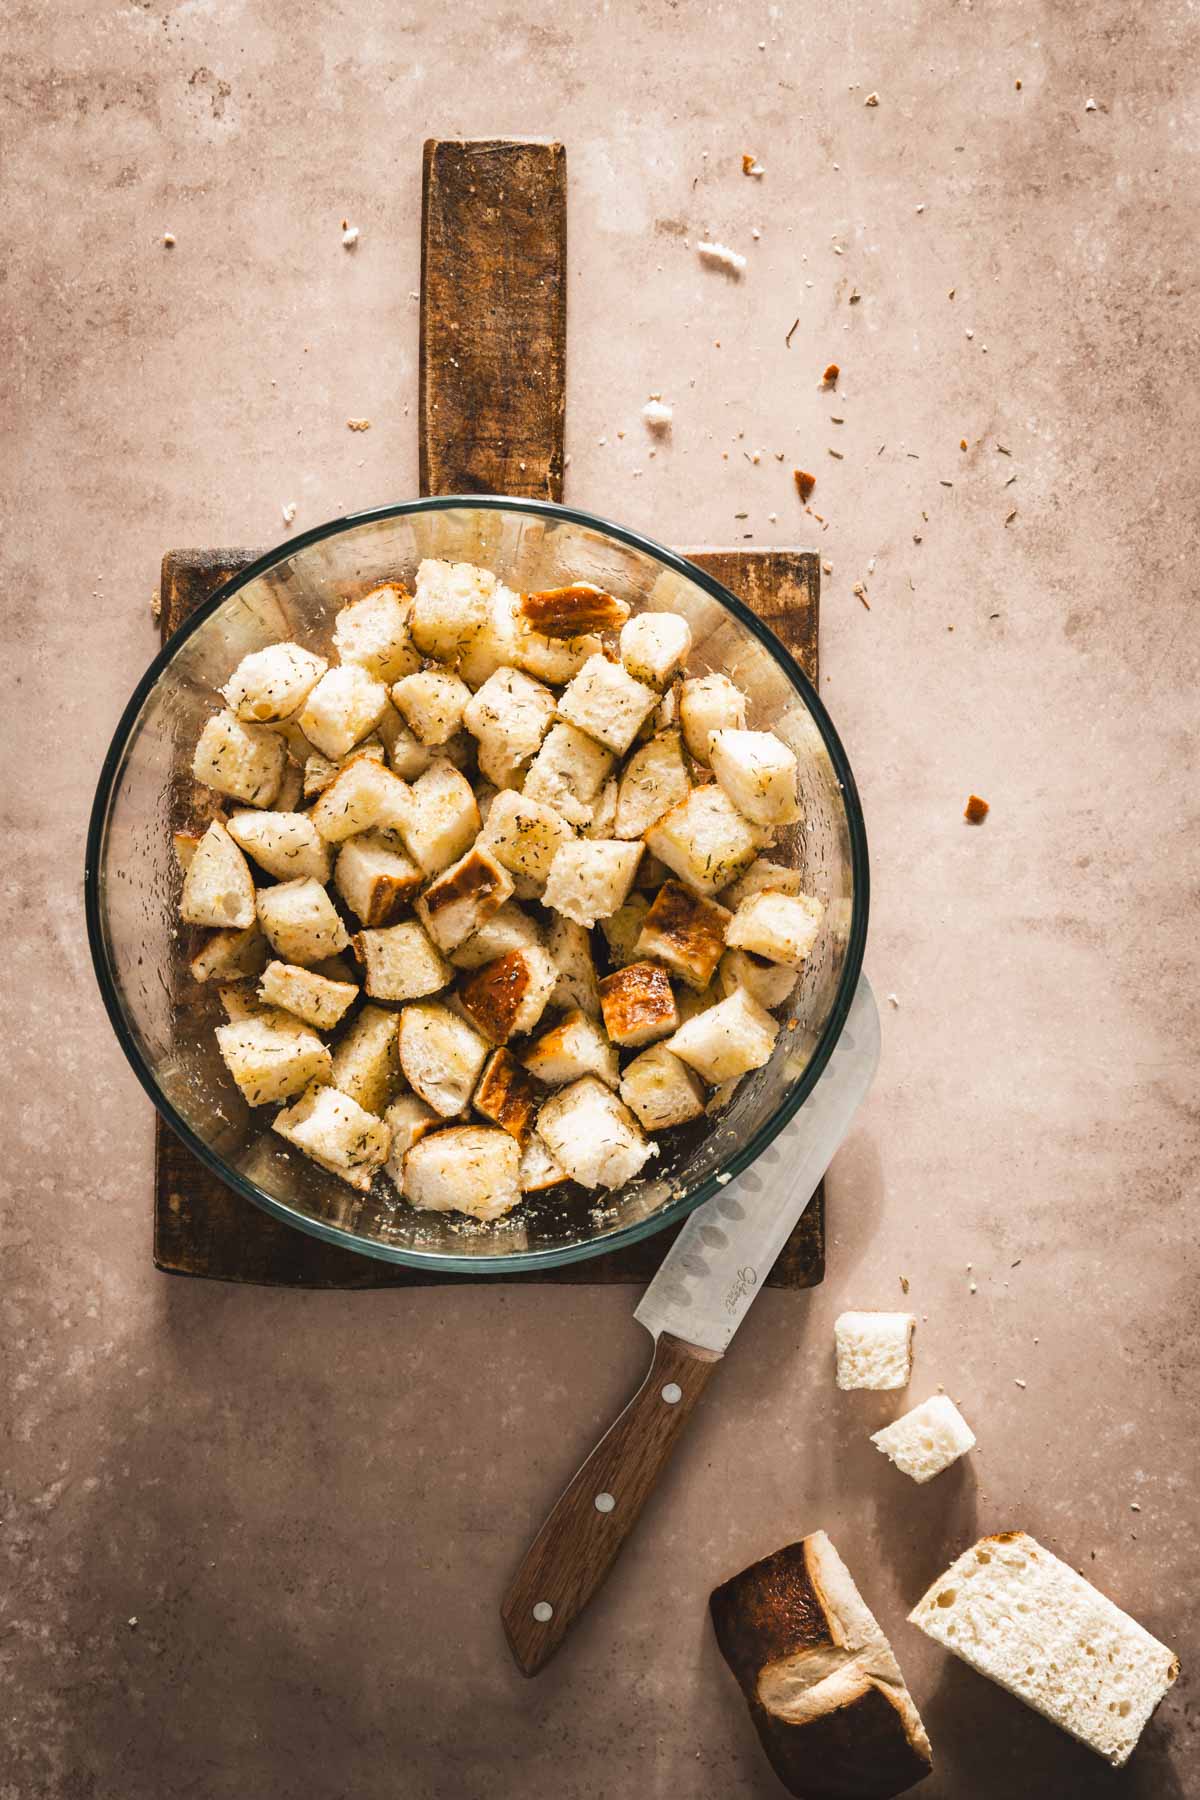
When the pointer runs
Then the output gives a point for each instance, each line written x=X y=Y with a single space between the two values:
x=165 y=1022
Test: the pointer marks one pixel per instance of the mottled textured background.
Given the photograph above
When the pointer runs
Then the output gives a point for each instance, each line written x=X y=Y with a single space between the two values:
x=310 y=1504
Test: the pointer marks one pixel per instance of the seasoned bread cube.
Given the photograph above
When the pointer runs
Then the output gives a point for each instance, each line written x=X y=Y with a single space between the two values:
x=685 y=933
x=768 y=983
x=590 y=878
x=291 y=788
x=492 y=646
x=460 y=901
x=301 y=922
x=244 y=761
x=655 y=646
x=309 y=996
x=572 y=1047
x=409 y=1120
x=431 y=704
x=336 y=1132
x=451 y=606
x=592 y=1136
x=926 y=1440
x=661 y=1089
x=525 y=836
x=709 y=703
x=605 y=701
x=373 y=632
x=653 y=781
x=691 y=1004
x=443 y=819
x=345 y=705
x=763 y=877
x=509 y=929
x=556 y=660
x=239 y=1001
x=320 y=772
x=366 y=1064
x=758 y=772
x=539 y=1170
x=400 y=962
x=568 y=772
x=569 y=612
x=408 y=756
x=651 y=873
x=506 y=998
x=272 y=1056
x=285 y=844
x=472 y=1169
x=506 y=1095
x=218 y=888
x=363 y=796
x=231 y=955
x=781 y=927
x=441 y=1056
x=509 y=715
x=375 y=879
x=638 y=1005
x=604 y=814
x=705 y=840
x=623 y=928
x=874 y=1350
x=726 y=1040
x=570 y=949
x=271 y=684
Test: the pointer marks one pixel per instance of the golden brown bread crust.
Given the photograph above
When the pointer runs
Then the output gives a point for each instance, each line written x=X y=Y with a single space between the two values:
x=506 y=1095
x=493 y=995
x=686 y=931
x=569 y=612
x=478 y=876
x=638 y=1005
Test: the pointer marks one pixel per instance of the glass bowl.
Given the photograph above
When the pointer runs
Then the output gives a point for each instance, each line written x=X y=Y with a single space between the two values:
x=165 y=1021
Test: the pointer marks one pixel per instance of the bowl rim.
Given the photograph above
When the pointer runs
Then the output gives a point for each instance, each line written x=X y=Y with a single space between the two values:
x=525 y=1261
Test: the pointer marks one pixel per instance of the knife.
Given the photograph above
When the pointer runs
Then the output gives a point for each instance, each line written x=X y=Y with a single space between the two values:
x=708 y=1281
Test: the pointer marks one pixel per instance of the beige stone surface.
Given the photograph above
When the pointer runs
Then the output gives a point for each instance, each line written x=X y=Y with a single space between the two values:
x=255 y=1542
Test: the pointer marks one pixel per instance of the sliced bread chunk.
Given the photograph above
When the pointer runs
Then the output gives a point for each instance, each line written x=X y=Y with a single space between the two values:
x=874 y=1349
x=655 y=646
x=781 y=927
x=301 y=921
x=661 y=1089
x=473 y=1169
x=442 y=820
x=244 y=761
x=464 y=897
x=592 y=1135
x=638 y=1005
x=506 y=1095
x=926 y=1440
x=570 y=950
x=441 y=1055
x=539 y=1170
x=314 y=998
x=401 y=962
x=375 y=878
x=574 y=1046
x=705 y=840
x=431 y=704
x=373 y=632
x=231 y=955
x=569 y=612
x=506 y=998
x=622 y=930
x=269 y=685
x=768 y=983
x=763 y=876
x=451 y=606
x=653 y=780
x=362 y=796
x=590 y=878
x=342 y=708
x=336 y=1132
x=726 y=1040
x=508 y=929
x=408 y=1119
x=605 y=701
x=509 y=716
x=685 y=933
x=758 y=772
x=365 y=1061
x=285 y=844
x=568 y=772
x=272 y=1056
x=525 y=835
x=709 y=703
x=218 y=888
x=1027 y=1621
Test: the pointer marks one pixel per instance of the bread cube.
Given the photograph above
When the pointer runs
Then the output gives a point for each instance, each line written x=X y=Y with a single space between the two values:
x=239 y=1000
x=763 y=877
x=218 y=888
x=874 y=1350
x=758 y=772
x=661 y=1090
x=508 y=929
x=506 y=1095
x=409 y=1120
x=320 y=772
x=441 y=1056
x=375 y=879
x=244 y=761
x=471 y=1169
x=301 y=922
x=570 y=950
x=492 y=646
x=685 y=933
x=623 y=928
x=431 y=704
x=401 y=963
x=451 y=606
x=572 y=1047
x=272 y=1056
x=366 y=1063
x=291 y=788
x=345 y=705
x=539 y=1170
x=568 y=772
x=373 y=632
x=705 y=840
x=307 y=995
x=570 y=612
x=509 y=715
x=638 y=1005
x=285 y=844
x=408 y=756
x=691 y=1004
x=709 y=703
x=460 y=901
x=655 y=646
x=337 y=1133
x=443 y=819
x=362 y=796
x=556 y=660
x=926 y=1440
x=769 y=983
x=271 y=684
x=653 y=781
x=592 y=1135
x=590 y=878
x=231 y=955
x=506 y=998
x=781 y=927
x=605 y=701
x=524 y=835
x=651 y=873
x=727 y=1040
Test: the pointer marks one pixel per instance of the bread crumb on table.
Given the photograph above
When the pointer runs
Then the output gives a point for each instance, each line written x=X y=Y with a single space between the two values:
x=805 y=483
x=168 y=239
x=288 y=509
x=350 y=235
x=721 y=254
x=871 y=100
x=657 y=414
x=976 y=810
x=751 y=165
x=358 y=424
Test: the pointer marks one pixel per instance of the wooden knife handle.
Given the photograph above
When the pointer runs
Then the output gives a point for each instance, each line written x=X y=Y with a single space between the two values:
x=578 y=1544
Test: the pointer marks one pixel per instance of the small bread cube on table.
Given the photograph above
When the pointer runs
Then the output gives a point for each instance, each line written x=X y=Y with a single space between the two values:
x=569 y=947
x=763 y=876
x=231 y=955
x=218 y=888
x=623 y=928
x=769 y=983
x=506 y=998
x=655 y=646
x=653 y=780
x=661 y=1089
x=705 y=840
x=464 y=897
x=336 y=1132
x=344 y=706
x=509 y=717
x=506 y=1095
x=285 y=844
x=590 y=878
x=473 y=1169
x=524 y=835
x=375 y=878
x=373 y=632
x=874 y=1350
x=451 y=606
x=366 y=1063
x=401 y=962
x=568 y=773
x=709 y=703
x=301 y=921
x=605 y=701
x=592 y=1135
x=539 y=1170
x=684 y=932
x=569 y=612
x=508 y=929
x=570 y=1048
x=408 y=1119
x=431 y=703
x=441 y=1056
x=315 y=999
x=363 y=796
x=781 y=927
x=727 y=1040
x=926 y=1440
x=443 y=819
x=638 y=1005
x=272 y=1056
x=270 y=685
x=758 y=772
x=244 y=761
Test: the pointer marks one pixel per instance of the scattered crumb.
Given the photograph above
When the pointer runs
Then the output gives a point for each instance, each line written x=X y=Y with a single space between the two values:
x=827 y=568
x=904 y=1284
x=973 y=1287
x=358 y=424
x=976 y=810
x=168 y=240
x=1018 y=88
x=751 y=165
x=893 y=1001
x=288 y=509
x=970 y=334
x=860 y=593
x=855 y=297
x=837 y=455
x=772 y=518
x=1134 y=1507
x=788 y=339
x=805 y=483
x=722 y=254
x=921 y=208
x=349 y=235
x=132 y=1622
x=962 y=443
x=755 y=233
x=1018 y=1381
x=871 y=565
x=156 y=605
x=1012 y=515
x=657 y=414
x=871 y=100
x=829 y=378
x=917 y=538
x=1090 y=106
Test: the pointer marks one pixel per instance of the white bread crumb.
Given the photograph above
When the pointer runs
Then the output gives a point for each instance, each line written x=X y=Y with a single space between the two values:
x=722 y=254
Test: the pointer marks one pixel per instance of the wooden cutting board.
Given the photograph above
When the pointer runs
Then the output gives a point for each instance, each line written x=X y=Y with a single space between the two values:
x=491 y=410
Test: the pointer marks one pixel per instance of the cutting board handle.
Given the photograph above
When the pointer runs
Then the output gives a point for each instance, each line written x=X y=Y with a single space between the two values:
x=578 y=1544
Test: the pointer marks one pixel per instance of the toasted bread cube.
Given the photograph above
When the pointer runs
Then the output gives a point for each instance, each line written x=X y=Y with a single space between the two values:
x=509 y=716
x=239 y=1000
x=285 y=844
x=638 y=1005
x=373 y=632
x=244 y=761
x=218 y=888
x=272 y=1056
x=592 y=1136
x=431 y=704
x=705 y=840
x=460 y=901
x=524 y=835
x=401 y=963
x=763 y=877
x=604 y=814
x=623 y=929
x=492 y=646
x=301 y=922
x=342 y=709
x=472 y=1169
x=781 y=927
x=539 y=1170
x=408 y=756
x=375 y=879
x=443 y=819
x=364 y=795
x=726 y=1040
x=605 y=701
x=441 y=1056
x=336 y=1132
x=568 y=772
x=185 y=845
x=570 y=612
x=451 y=606
x=307 y=995
x=271 y=684
x=661 y=1089
x=506 y=998
x=509 y=929
x=556 y=660
x=570 y=949
x=590 y=878
x=653 y=781
x=320 y=772
x=572 y=1047
x=758 y=772
x=651 y=873
x=685 y=933
x=409 y=1120
x=506 y=1095
x=769 y=983
x=231 y=955
x=655 y=646
x=709 y=703
x=366 y=1063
